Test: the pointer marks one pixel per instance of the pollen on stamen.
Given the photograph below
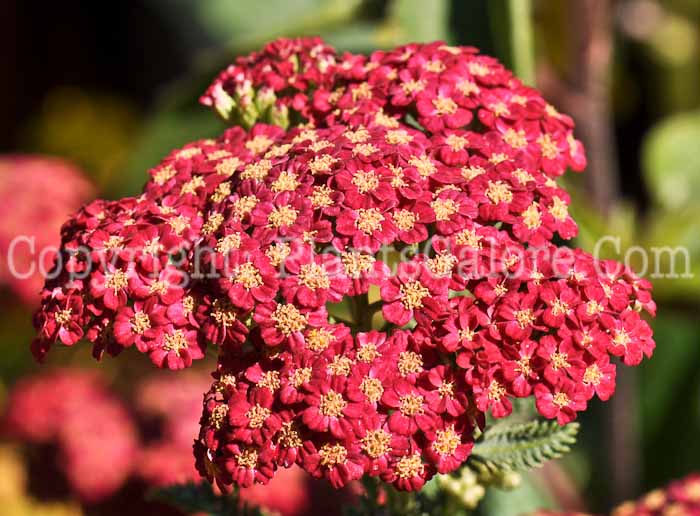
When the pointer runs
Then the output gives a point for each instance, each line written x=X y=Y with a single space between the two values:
x=140 y=322
x=288 y=319
x=333 y=455
x=365 y=181
x=412 y=294
x=498 y=191
x=411 y=405
x=257 y=416
x=404 y=219
x=318 y=339
x=446 y=442
x=175 y=342
x=369 y=220
x=444 y=208
x=332 y=404
x=409 y=466
x=444 y=106
x=409 y=362
x=376 y=443
x=282 y=216
x=372 y=388
x=218 y=416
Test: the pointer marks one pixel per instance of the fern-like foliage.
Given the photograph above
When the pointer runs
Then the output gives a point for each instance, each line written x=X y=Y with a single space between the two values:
x=515 y=447
x=200 y=498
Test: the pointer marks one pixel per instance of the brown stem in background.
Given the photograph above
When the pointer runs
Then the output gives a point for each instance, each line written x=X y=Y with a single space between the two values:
x=586 y=95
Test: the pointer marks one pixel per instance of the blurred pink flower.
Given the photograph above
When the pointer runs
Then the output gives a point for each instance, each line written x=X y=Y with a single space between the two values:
x=37 y=194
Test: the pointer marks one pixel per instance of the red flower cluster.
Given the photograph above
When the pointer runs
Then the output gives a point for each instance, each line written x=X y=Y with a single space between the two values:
x=432 y=157
x=679 y=498
x=76 y=412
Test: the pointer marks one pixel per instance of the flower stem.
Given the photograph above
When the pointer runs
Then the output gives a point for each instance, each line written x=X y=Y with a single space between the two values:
x=361 y=312
x=512 y=23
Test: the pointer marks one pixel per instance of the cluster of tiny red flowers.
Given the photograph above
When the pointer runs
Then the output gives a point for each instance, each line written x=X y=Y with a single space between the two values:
x=423 y=178
x=679 y=498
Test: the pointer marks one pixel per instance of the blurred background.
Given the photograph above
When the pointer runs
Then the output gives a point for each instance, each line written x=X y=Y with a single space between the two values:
x=91 y=97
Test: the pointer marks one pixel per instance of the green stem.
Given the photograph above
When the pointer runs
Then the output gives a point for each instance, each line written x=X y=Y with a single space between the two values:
x=361 y=312
x=514 y=35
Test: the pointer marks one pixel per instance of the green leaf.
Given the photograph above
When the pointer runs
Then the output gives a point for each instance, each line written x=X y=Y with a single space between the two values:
x=511 y=447
x=200 y=498
x=671 y=162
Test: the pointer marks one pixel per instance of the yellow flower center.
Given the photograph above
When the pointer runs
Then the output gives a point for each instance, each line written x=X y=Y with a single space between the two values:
x=321 y=197
x=405 y=220
x=259 y=144
x=398 y=137
x=63 y=316
x=227 y=243
x=559 y=360
x=524 y=317
x=376 y=443
x=332 y=404
x=300 y=376
x=446 y=441
x=372 y=388
x=369 y=220
x=248 y=459
x=365 y=181
x=247 y=275
x=341 y=366
x=322 y=163
x=269 y=380
x=498 y=191
x=288 y=436
x=257 y=415
x=282 y=216
x=593 y=375
x=244 y=205
x=515 y=139
x=411 y=405
x=223 y=313
x=496 y=391
x=140 y=322
x=288 y=319
x=424 y=165
x=444 y=208
x=409 y=362
x=548 y=146
x=333 y=455
x=561 y=400
x=319 y=339
x=218 y=416
x=409 y=466
x=117 y=280
x=356 y=263
x=227 y=167
x=258 y=170
x=456 y=143
x=531 y=217
x=175 y=342
x=286 y=182
x=444 y=106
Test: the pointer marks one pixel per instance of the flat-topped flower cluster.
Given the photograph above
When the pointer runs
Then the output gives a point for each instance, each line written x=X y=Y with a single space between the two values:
x=377 y=274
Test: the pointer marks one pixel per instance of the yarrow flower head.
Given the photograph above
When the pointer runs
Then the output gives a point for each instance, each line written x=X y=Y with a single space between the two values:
x=376 y=271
